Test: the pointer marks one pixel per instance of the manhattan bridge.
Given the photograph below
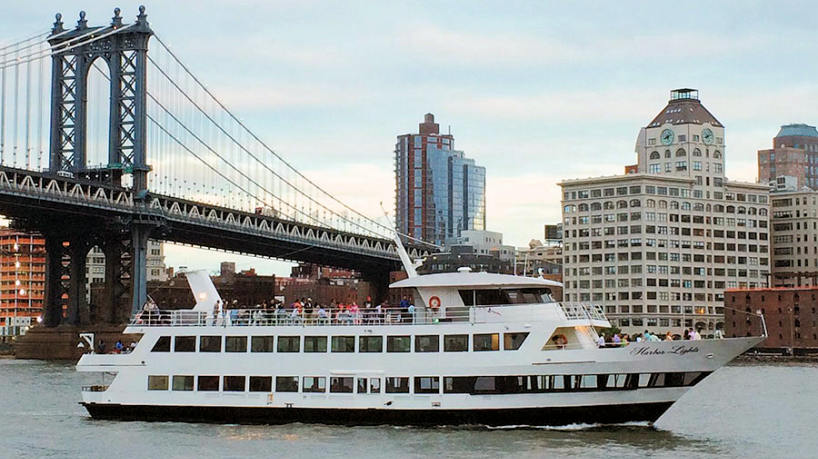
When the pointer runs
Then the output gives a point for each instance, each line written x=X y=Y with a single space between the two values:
x=103 y=143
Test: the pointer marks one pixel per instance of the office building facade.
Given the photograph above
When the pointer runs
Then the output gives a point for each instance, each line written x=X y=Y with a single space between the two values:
x=794 y=236
x=657 y=247
x=439 y=192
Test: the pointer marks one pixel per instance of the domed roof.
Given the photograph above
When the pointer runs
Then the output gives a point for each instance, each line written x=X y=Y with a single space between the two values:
x=684 y=107
x=799 y=129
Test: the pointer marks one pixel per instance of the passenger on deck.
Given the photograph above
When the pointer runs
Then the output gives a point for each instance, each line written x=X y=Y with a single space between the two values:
x=668 y=336
x=600 y=341
x=323 y=318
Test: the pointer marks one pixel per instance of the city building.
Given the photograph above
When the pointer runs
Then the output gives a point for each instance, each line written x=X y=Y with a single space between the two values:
x=658 y=247
x=95 y=266
x=483 y=242
x=439 y=192
x=794 y=153
x=22 y=280
x=790 y=313
x=794 y=235
x=539 y=258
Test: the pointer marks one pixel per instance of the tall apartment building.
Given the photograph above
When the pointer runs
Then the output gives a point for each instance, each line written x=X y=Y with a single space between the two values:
x=22 y=277
x=794 y=153
x=794 y=236
x=658 y=247
x=439 y=192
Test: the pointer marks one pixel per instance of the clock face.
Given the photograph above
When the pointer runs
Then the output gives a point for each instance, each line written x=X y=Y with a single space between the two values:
x=707 y=136
x=667 y=137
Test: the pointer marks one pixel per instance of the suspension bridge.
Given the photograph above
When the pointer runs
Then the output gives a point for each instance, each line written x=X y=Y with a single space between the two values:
x=105 y=144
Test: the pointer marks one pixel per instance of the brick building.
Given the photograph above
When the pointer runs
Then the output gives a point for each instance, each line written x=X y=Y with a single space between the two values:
x=791 y=314
x=22 y=279
x=794 y=153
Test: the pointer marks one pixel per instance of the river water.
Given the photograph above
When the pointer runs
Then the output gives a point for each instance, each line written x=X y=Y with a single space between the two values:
x=749 y=411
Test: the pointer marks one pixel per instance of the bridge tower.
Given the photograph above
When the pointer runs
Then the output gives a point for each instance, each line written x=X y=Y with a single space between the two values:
x=126 y=54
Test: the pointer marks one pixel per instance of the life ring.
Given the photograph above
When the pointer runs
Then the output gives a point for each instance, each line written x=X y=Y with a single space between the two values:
x=434 y=302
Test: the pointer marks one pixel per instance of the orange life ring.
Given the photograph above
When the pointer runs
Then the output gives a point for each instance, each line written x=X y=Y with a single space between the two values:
x=434 y=302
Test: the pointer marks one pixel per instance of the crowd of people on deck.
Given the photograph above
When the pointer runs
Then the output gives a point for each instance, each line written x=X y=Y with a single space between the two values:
x=308 y=312
x=301 y=311
x=623 y=339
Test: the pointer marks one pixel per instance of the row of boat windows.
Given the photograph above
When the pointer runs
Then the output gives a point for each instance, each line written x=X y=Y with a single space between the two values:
x=424 y=384
x=394 y=343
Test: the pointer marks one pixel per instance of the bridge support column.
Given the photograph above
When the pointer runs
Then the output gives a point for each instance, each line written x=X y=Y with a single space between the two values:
x=111 y=303
x=78 y=311
x=54 y=286
x=139 y=269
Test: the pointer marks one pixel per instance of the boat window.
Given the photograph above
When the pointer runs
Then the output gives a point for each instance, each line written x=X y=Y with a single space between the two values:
x=370 y=344
x=513 y=341
x=315 y=384
x=361 y=386
x=486 y=342
x=210 y=344
x=261 y=383
x=234 y=383
x=207 y=383
x=261 y=343
x=158 y=382
x=184 y=344
x=374 y=385
x=343 y=344
x=398 y=344
x=397 y=385
x=182 y=382
x=456 y=343
x=289 y=344
x=315 y=344
x=427 y=384
x=340 y=385
x=489 y=297
x=458 y=384
x=162 y=344
x=235 y=344
x=427 y=343
x=286 y=383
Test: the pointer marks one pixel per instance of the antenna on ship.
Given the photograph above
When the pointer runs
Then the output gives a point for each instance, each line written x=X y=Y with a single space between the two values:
x=404 y=256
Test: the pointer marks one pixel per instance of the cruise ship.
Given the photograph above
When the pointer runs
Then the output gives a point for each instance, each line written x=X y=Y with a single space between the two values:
x=479 y=348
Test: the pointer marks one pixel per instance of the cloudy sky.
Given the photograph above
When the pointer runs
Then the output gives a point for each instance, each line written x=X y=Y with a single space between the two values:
x=535 y=91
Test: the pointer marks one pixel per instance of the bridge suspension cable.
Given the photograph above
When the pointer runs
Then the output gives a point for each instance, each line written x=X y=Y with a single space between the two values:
x=359 y=221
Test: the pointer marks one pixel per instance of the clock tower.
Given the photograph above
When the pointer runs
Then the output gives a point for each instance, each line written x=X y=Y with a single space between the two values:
x=683 y=140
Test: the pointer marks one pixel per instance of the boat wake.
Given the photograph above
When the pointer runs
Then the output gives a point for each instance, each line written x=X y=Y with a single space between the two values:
x=577 y=427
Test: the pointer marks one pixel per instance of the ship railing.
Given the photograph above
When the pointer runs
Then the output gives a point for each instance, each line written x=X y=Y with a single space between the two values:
x=282 y=317
x=583 y=311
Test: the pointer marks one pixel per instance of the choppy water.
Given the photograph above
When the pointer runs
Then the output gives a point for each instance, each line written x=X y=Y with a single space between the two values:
x=747 y=411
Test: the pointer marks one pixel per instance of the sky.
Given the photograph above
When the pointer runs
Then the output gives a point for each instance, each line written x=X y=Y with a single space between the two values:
x=535 y=91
